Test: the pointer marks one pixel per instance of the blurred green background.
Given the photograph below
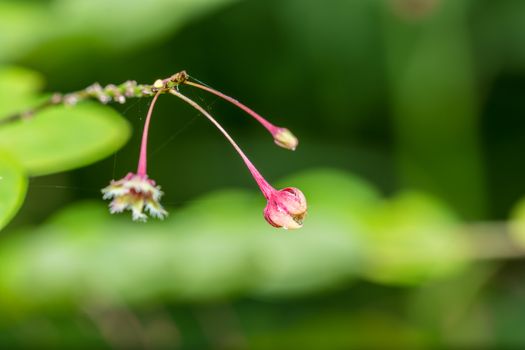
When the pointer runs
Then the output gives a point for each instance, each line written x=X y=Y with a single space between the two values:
x=410 y=120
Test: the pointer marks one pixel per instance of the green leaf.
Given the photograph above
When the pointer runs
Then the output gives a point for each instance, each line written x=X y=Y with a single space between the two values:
x=414 y=238
x=63 y=138
x=25 y=27
x=17 y=88
x=517 y=223
x=218 y=246
x=327 y=250
x=13 y=185
x=341 y=328
x=22 y=26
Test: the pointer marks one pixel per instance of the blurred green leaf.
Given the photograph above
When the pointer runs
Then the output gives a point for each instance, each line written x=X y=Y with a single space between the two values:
x=517 y=223
x=343 y=330
x=17 y=89
x=217 y=246
x=327 y=251
x=22 y=25
x=461 y=298
x=414 y=238
x=13 y=185
x=63 y=138
x=132 y=21
x=27 y=26
x=499 y=31
x=431 y=70
x=220 y=245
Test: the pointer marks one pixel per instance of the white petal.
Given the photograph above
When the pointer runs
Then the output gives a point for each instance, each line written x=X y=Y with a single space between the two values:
x=156 y=210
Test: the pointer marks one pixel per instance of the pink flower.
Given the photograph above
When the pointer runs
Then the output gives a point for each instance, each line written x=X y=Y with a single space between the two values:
x=137 y=192
x=285 y=208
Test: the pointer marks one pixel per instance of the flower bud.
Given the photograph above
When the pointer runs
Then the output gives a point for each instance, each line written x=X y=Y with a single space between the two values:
x=286 y=208
x=158 y=84
x=285 y=139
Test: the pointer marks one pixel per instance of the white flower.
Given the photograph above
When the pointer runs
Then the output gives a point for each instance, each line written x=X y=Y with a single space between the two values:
x=136 y=193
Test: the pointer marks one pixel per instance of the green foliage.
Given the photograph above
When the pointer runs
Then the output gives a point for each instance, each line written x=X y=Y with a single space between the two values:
x=414 y=238
x=54 y=140
x=17 y=89
x=221 y=246
x=437 y=119
x=341 y=330
x=423 y=100
x=63 y=138
x=13 y=185
x=517 y=224
x=25 y=27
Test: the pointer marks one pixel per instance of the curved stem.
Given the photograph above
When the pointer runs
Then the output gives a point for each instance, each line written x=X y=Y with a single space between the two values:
x=269 y=126
x=142 y=166
x=265 y=187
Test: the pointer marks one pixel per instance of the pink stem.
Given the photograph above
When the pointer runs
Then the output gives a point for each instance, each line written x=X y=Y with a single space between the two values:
x=265 y=187
x=142 y=167
x=269 y=126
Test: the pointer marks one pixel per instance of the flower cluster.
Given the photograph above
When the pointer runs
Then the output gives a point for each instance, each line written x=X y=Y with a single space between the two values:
x=285 y=208
x=108 y=93
x=136 y=193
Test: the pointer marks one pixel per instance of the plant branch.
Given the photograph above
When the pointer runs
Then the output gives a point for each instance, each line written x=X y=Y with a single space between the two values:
x=104 y=94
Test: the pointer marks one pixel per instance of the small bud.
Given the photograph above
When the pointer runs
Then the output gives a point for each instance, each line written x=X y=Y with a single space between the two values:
x=147 y=91
x=129 y=88
x=285 y=139
x=70 y=99
x=158 y=84
x=94 y=89
x=114 y=91
x=56 y=98
x=103 y=98
x=286 y=208
x=136 y=193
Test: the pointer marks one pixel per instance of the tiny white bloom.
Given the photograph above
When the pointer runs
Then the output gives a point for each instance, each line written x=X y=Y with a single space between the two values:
x=135 y=193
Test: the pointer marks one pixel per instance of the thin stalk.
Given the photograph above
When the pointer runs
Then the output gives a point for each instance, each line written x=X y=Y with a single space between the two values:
x=142 y=166
x=265 y=187
x=269 y=126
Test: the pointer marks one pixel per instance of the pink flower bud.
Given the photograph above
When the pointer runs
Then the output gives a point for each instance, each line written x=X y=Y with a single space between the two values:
x=285 y=139
x=286 y=208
